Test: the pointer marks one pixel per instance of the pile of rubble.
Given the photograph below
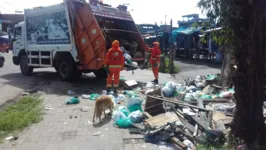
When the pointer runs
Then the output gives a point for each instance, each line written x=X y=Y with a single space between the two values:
x=196 y=111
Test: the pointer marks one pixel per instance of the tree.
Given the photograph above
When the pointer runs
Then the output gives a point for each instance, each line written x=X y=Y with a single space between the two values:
x=244 y=24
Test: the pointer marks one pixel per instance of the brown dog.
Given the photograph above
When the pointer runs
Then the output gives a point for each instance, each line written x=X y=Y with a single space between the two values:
x=101 y=104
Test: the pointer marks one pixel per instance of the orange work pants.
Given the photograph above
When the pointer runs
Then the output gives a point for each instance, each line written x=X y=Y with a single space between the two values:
x=116 y=75
x=155 y=71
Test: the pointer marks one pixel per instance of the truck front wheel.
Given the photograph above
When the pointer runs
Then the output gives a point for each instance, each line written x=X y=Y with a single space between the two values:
x=24 y=66
x=66 y=70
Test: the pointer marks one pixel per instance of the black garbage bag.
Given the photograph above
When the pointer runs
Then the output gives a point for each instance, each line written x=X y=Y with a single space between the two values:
x=157 y=137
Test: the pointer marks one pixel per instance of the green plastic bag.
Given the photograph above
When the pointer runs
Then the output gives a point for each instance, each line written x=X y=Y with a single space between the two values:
x=130 y=93
x=210 y=77
x=205 y=96
x=124 y=111
x=135 y=107
x=176 y=93
x=94 y=96
x=72 y=100
x=124 y=123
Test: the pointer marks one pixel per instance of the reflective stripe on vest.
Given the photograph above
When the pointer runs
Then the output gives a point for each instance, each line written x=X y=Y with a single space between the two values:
x=115 y=66
x=153 y=58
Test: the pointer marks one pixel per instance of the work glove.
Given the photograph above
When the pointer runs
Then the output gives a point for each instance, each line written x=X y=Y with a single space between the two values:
x=106 y=69
x=155 y=65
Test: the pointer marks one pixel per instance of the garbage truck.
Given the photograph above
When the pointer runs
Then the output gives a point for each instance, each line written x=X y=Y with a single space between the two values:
x=73 y=37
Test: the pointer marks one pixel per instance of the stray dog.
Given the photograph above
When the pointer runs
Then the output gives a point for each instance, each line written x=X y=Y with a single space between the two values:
x=101 y=104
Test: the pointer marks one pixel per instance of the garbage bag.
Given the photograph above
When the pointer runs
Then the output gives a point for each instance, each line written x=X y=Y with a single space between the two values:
x=211 y=77
x=120 y=98
x=94 y=96
x=117 y=115
x=135 y=107
x=130 y=93
x=171 y=85
x=211 y=137
x=72 y=100
x=205 y=96
x=157 y=137
x=226 y=94
x=167 y=92
x=200 y=85
x=149 y=85
x=191 y=88
x=136 y=116
x=189 y=97
x=134 y=64
x=123 y=123
x=227 y=108
x=189 y=144
x=124 y=110
x=133 y=101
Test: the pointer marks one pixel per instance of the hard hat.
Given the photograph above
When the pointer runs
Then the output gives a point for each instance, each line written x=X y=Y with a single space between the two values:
x=156 y=43
x=115 y=43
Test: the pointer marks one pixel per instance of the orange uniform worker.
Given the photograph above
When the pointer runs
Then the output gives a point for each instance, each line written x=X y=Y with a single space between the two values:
x=155 y=60
x=113 y=64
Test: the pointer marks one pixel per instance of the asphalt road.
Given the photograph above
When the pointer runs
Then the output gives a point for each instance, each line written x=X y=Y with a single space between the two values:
x=12 y=82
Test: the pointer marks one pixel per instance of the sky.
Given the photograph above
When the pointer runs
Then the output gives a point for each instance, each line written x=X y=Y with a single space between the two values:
x=142 y=11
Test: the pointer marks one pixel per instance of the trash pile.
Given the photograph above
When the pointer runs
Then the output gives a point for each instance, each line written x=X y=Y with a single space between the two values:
x=195 y=112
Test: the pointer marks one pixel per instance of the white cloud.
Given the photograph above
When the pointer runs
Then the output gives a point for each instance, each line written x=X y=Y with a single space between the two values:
x=144 y=11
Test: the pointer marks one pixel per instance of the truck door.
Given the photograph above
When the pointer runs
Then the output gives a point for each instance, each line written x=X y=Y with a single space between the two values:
x=18 y=43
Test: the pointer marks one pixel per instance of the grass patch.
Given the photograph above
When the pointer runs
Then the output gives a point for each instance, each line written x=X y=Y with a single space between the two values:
x=23 y=113
x=210 y=147
x=167 y=69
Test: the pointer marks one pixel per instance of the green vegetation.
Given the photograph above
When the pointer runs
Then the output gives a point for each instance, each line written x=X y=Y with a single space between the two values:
x=209 y=147
x=20 y=115
x=167 y=69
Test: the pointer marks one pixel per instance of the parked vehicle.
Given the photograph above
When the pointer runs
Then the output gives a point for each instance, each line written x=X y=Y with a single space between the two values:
x=4 y=44
x=2 y=60
x=73 y=37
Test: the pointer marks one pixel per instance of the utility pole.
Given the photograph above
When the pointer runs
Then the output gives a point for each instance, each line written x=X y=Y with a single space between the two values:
x=171 y=62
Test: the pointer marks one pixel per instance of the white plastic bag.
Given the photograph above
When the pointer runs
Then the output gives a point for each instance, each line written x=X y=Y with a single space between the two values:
x=167 y=92
x=136 y=116
x=149 y=85
x=171 y=85
x=134 y=64
x=226 y=94
x=189 y=144
x=117 y=115
x=120 y=98
x=133 y=101
x=200 y=85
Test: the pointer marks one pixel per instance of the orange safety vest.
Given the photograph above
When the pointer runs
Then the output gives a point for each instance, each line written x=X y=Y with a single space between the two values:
x=114 y=59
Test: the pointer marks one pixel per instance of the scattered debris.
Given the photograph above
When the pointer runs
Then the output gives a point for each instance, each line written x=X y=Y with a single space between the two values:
x=131 y=83
x=25 y=93
x=69 y=92
x=11 y=138
x=97 y=133
x=48 y=108
x=85 y=109
x=72 y=100
x=76 y=116
x=70 y=117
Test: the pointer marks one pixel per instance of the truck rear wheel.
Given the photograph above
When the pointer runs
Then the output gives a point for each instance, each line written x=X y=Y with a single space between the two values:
x=24 y=66
x=100 y=74
x=67 y=70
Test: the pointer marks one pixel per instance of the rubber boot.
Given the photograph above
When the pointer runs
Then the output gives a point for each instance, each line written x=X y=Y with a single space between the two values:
x=108 y=90
x=156 y=81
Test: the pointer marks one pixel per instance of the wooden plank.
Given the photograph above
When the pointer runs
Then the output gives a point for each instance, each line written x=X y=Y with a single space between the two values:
x=157 y=119
x=185 y=123
x=166 y=121
x=203 y=115
x=177 y=102
x=201 y=124
x=178 y=142
x=147 y=115
x=157 y=106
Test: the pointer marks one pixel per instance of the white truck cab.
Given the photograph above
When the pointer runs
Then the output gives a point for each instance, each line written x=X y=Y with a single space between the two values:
x=18 y=41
